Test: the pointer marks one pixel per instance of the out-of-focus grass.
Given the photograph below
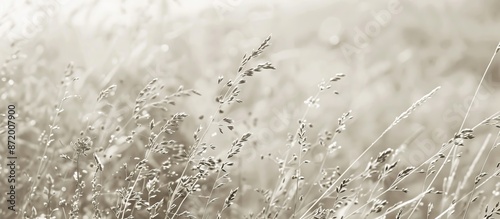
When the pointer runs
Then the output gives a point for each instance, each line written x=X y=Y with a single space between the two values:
x=425 y=45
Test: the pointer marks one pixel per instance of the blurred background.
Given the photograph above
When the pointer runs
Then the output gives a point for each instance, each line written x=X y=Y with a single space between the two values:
x=392 y=53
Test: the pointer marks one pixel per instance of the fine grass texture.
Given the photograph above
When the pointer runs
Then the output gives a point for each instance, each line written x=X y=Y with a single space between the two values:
x=150 y=144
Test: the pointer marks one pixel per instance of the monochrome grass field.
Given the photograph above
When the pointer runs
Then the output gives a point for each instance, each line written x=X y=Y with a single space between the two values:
x=250 y=109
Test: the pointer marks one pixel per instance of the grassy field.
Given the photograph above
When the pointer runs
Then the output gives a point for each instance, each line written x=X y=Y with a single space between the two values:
x=249 y=109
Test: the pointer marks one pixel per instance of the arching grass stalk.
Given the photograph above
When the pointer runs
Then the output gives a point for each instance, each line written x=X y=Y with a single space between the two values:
x=396 y=121
x=454 y=149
